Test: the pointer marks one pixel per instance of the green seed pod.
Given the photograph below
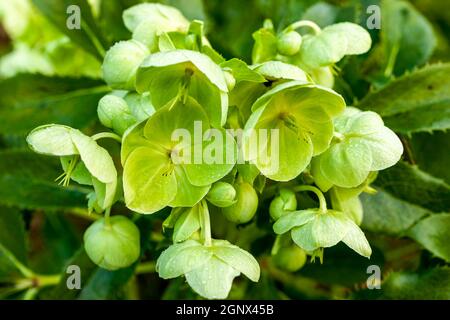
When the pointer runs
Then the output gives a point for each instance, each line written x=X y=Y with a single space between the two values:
x=121 y=62
x=221 y=194
x=114 y=113
x=112 y=246
x=289 y=43
x=290 y=258
x=230 y=80
x=244 y=208
x=286 y=201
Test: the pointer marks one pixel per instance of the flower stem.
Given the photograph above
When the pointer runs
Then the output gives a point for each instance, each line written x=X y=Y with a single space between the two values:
x=107 y=214
x=146 y=267
x=83 y=213
x=205 y=223
x=110 y=135
x=304 y=23
x=26 y=272
x=319 y=194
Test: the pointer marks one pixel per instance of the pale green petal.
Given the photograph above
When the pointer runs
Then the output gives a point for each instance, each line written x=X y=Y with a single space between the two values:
x=275 y=70
x=187 y=195
x=134 y=138
x=237 y=258
x=293 y=219
x=96 y=159
x=358 y=39
x=105 y=193
x=326 y=230
x=181 y=258
x=52 y=139
x=319 y=179
x=149 y=182
x=218 y=158
x=347 y=164
x=323 y=50
x=356 y=240
x=187 y=223
x=212 y=280
x=386 y=148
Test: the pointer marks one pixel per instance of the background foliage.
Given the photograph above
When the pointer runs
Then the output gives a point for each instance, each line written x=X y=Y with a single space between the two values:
x=49 y=74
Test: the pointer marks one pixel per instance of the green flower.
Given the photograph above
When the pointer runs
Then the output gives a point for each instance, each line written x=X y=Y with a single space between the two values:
x=147 y=21
x=167 y=75
x=209 y=270
x=112 y=245
x=121 y=63
x=297 y=117
x=362 y=144
x=82 y=159
x=161 y=170
x=289 y=43
x=314 y=229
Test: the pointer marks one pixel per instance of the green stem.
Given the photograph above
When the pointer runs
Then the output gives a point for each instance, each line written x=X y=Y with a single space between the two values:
x=47 y=280
x=319 y=194
x=110 y=135
x=28 y=273
x=146 y=267
x=83 y=213
x=30 y=294
x=205 y=223
x=107 y=215
x=303 y=23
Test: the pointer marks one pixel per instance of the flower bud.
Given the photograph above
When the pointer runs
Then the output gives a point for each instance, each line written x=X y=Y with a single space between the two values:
x=112 y=246
x=121 y=62
x=230 y=80
x=140 y=105
x=286 y=201
x=244 y=208
x=289 y=43
x=114 y=113
x=290 y=258
x=221 y=194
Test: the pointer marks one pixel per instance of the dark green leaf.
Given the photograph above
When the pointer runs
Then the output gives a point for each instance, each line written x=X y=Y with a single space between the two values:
x=431 y=153
x=432 y=284
x=88 y=36
x=415 y=186
x=27 y=181
x=433 y=233
x=416 y=102
x=402 y=27
x=382 y=213
x=28 y=101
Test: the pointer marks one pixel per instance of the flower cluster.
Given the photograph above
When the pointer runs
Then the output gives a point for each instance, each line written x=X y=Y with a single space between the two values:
x=168 y=78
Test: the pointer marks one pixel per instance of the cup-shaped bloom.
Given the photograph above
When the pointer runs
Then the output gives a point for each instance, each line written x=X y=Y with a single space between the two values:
x=282 y=204
x=222 y=194
x=331 y=44
x=362 y=144
x=168 y=74
x=209 y=270
x=173 y=158
x=112 y=245
x=121 y=62
x=289 y=125
x=83 y=160
x=149 y=20
x=245 y=206
x=313 y=229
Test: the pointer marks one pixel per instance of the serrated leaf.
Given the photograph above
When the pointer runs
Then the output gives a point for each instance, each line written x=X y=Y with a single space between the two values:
x=433 y=232
x=27 y=181
x=416 y=102
x=384 y=213
x=28 y=101
x=409 y=183
x=433 y=284
x=88 y=35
